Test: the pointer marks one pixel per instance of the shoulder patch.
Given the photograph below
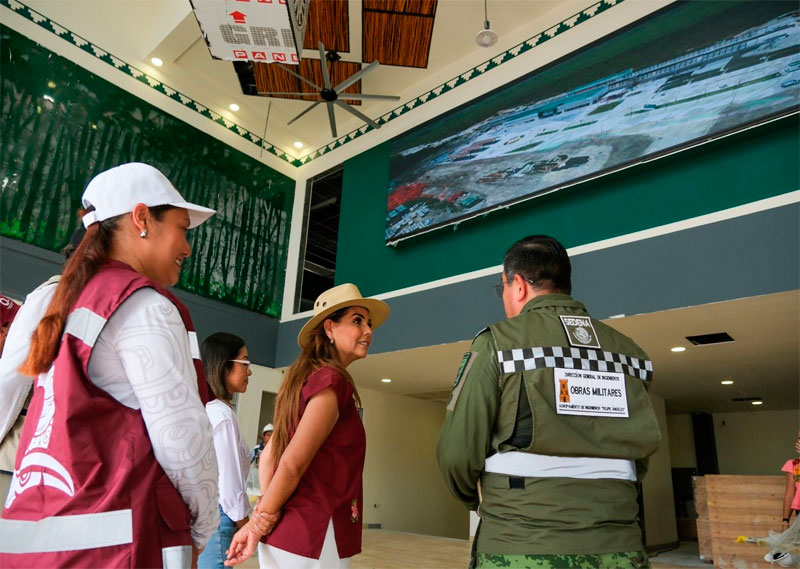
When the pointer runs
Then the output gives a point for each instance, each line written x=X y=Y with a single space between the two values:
x=463 y=370
x=580 y=331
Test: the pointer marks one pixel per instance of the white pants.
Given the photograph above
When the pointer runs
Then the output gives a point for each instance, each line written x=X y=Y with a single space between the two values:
x=270 y=557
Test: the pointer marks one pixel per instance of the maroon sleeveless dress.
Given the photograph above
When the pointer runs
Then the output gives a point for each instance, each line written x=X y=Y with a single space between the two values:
x=331 y=487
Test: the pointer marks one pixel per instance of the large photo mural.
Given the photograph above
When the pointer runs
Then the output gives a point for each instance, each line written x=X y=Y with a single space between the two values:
x=60 y=125
x=690 y=73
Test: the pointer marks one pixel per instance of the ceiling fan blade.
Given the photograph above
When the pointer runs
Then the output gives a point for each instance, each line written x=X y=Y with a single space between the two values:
x=323 y=62
x=355 y=77
x=332 y=119
x=365 y=97
x=359 y=114
x=270 y=94
x=303 y=79
x=311 y=106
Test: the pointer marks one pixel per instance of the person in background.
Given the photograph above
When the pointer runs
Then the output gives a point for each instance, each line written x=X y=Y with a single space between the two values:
x=266 y=434
x=227 y=368
x=310 y=472
x=8 y=310
x=15 y=387
x=550 y=415
x=791 y=498
x=116 y=466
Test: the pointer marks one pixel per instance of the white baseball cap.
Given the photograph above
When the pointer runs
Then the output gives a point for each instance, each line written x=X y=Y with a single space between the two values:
x=267 y=427
x=118 y=190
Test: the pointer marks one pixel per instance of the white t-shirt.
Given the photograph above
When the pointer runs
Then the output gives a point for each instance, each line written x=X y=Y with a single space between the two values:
x=143 y=359
x=233 y=459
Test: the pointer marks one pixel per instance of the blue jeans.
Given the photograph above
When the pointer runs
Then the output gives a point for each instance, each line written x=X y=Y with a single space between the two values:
x=214 y=553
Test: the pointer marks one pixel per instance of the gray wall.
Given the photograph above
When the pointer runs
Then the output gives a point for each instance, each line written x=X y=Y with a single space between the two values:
x=736 y=258
x=23 y=267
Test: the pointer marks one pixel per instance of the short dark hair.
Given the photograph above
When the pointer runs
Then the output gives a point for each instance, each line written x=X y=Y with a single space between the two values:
x=542 y=261
x=216 y=352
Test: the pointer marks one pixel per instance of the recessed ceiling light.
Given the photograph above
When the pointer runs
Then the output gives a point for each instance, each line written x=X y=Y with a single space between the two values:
x=156 y=61
x=727 y=382
x=298 y=144
x=677 y=349
x=234 y=107
x=756 y=402
x=386 y=380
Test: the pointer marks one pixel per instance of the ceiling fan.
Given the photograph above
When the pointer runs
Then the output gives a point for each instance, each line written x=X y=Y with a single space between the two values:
x=332 y=95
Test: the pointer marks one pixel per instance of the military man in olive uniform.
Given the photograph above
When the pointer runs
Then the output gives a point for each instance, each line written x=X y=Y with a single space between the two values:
x=550 y=415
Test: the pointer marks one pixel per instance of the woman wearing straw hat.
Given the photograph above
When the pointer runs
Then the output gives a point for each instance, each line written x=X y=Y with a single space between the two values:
x=309 y=515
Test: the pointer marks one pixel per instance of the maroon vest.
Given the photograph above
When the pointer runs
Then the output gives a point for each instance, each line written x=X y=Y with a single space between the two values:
x=87 y=489
x=331 y=486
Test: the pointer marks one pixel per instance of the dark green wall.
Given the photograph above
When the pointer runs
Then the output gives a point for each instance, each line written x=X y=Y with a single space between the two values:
x=749 y=166
x=60 y=125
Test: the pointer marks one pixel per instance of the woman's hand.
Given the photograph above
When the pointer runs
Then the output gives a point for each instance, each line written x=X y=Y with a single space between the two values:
x=246 y=540
x=262 y=522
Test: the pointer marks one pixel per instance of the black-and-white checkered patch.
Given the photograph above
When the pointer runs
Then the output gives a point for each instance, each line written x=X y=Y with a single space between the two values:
x=525 y=359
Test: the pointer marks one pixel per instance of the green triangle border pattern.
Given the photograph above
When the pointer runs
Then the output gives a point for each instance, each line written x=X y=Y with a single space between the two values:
x=45 y=23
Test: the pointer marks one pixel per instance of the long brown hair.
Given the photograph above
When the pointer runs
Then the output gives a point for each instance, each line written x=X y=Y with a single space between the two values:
x=319 y=352
x=87 y=259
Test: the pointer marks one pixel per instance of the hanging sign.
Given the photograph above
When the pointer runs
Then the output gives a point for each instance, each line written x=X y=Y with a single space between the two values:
x=253 y=30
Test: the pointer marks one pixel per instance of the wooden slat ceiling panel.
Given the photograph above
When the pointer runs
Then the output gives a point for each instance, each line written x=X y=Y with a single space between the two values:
x=271 y=78
x=328 y=23
x=397 y=32
x=418 y=7
x=396 y=39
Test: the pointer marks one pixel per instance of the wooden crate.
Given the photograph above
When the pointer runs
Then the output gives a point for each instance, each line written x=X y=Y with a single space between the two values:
x=703 y=525
x=742 y=505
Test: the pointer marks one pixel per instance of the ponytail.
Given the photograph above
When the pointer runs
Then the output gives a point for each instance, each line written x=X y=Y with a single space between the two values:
x=87 y=259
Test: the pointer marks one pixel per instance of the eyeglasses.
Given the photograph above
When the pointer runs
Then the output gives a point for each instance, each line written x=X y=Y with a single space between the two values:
x=498 y=288
x=245 y=363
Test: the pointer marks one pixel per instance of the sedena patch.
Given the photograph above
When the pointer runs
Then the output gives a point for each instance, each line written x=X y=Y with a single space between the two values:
x=463 y=370
x=580 y=331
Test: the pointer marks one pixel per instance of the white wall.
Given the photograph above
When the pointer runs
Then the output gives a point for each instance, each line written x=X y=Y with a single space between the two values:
x=249 y=406
x=659 y=508
x=400 y=473
x=681 y=441
x=755 y=443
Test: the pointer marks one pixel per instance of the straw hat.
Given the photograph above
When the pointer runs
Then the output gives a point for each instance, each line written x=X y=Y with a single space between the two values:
x=338 y=297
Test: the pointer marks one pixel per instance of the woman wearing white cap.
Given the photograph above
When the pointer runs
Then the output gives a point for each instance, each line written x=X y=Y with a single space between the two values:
x=309 y=515
x=116 y=464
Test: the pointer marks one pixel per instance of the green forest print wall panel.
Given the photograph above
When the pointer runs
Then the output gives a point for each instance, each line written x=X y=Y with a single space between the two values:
x=61 y=125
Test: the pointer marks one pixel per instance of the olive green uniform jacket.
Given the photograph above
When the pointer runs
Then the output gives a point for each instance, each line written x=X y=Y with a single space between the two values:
x=506 y=398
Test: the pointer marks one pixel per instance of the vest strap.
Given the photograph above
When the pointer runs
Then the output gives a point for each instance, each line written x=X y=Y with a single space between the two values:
x=530 y=465
x=85 y=325
x=525 y=359
x=66 y=533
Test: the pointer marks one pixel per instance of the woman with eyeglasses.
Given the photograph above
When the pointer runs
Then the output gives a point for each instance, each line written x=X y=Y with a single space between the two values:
x=227 y=368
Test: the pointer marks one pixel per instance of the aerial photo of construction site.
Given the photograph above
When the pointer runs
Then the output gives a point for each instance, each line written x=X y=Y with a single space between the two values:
x=525 y=141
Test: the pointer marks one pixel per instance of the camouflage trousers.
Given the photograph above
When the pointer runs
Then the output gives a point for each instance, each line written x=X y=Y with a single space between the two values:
x=621 y=560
